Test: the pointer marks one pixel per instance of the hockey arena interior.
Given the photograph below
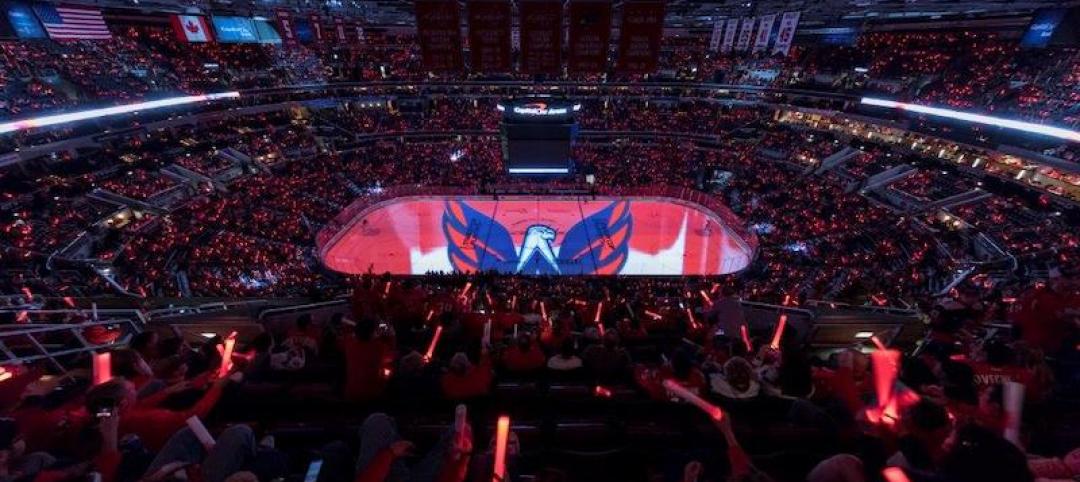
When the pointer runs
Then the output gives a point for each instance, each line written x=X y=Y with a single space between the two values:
x=539 y=241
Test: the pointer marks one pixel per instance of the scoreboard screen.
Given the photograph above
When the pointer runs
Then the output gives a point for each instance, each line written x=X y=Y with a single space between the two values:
x=537 y=135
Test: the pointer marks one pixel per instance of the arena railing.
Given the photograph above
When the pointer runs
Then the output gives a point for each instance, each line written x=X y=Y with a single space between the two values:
x=354 y=211
x=29 y=343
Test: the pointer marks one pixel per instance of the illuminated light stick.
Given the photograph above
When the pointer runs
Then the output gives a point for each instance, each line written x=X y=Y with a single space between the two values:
x=1014 y=408
x=486 y=337
x=878 y=343
x=430 y=313
x=886 y=364
x=461 y=414
x=787 y=300
x=468 y=286
x=690 y=316
x=434 y=342
x=600 y=328
x=93 y=311
x=26 y=291
x=895 y=474
x=746 y=338
x=101 y=367
x=654 y=315
x=775 y=343
x=226 y=355
x=22 y=317
x=680 y=391
x=715 y=286
x=490 y=303
x=515 y=330
x=69 y=301
x=502 y=436
x=705 y=296
x=602 y=392
x=50 y=120
x=386 y=372
x=599 y=311
x=200 y=432
x=513 y=302
x=4 y=374
x=386 y=290
x=630 y=309
x=543 y=312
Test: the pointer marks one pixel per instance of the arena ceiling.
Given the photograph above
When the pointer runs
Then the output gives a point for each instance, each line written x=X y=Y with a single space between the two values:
x=681 y=13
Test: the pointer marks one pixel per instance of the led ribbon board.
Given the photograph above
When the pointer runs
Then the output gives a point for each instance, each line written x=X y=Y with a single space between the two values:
x=1029 y=127
x=50 y=120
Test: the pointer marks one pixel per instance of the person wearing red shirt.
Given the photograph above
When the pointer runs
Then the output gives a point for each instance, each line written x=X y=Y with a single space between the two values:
x=524 y=356
x=382 y=450
x=365 y=359
x=153 y=425
x=465 y=380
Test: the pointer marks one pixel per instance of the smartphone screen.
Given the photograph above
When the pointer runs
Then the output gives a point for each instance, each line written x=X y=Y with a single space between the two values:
x=313 y=471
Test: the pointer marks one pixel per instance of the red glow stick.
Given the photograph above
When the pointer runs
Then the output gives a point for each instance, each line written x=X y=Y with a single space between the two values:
x=895 y=474
x=878 y=343
x=22 y=317
x=1013 y=399
x=461 y=414
x=690 y=316
x=715 y=286
x=434 y=341
x=4 y=374
x=705 y=296
x=29 y=294
x=386 y=290
x=386 y=372
x=602 y=392
x=69 y=301
x=226 y=355
x=490 y=303
x=775 y=344
x=513 y=302
x=599 y=311
x=502 y=435
x=543 y=312
x=691 y=398
x=746 y=339
x=200 y=432
x=464 y=291
x=430 y=313
x=600 y=327
x=787 y=299
x=885 y=366
x=101 y=367
x=486 y=338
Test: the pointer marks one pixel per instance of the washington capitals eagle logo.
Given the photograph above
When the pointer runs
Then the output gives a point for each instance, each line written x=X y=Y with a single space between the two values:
x=598 y=244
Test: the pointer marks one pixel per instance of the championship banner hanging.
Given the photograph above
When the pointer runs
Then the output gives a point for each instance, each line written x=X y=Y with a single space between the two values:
x=764 y=30
x=717 y=35
x=784 y=37
x=339 y=29
x=730 y=31
x=316 y=27
x=589 y=36
x=288 y=28
x=541 y=36
x=489 y=35
x=438 y=27
x=745 y=34
x=639 y=36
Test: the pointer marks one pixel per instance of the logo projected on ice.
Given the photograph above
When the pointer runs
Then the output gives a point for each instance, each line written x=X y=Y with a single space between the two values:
x=597 y=244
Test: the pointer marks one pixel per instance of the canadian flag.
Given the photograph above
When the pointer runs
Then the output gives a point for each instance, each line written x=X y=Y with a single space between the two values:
x=191 y=28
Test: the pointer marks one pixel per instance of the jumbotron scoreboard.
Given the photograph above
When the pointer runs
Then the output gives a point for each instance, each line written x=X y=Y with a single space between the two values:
x=537 y=135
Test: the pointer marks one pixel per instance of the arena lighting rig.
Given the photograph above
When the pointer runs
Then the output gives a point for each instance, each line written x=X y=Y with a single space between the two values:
x=1030 y=127
x=49 y=120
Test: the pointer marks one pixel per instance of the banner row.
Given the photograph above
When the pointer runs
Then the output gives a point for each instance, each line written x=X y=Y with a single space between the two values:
x=738 y=34
x=490 y=39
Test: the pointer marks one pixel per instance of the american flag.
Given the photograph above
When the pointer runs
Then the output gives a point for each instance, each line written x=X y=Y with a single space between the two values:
x=72 y=23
